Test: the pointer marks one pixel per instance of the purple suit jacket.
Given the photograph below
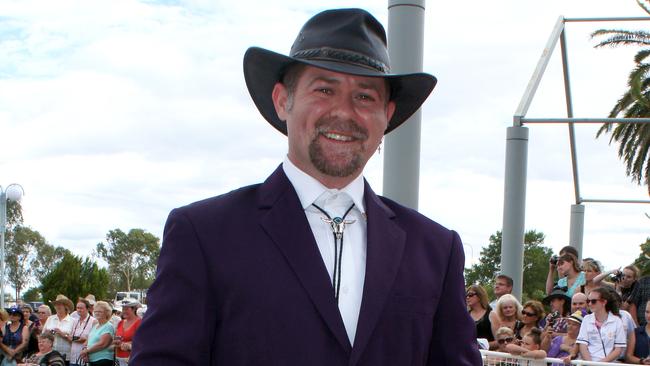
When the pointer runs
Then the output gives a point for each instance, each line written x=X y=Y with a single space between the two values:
x=240 y=281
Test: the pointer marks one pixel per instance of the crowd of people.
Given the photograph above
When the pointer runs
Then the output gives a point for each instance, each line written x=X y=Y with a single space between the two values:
x=94 y=333
x=587 y=314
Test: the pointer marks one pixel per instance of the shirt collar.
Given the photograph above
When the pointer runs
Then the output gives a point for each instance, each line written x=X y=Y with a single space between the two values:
x=309 y=189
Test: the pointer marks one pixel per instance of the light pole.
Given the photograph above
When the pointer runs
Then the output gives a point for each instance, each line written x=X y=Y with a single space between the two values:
x=13 y=192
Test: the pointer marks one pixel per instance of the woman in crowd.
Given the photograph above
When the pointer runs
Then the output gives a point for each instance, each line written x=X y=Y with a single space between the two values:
x=564 y=346
x=32 y=326
x=571 y=278
x=45 y=356
x=479 y=309
x=552 y=266
x=531 y=316
x=126 y=330
x=592 y=270
x=638 y=348
x=98 y=349
x=60 y=324
x=506 y=314
x=43 y=313
x=560 y=305
x=80 y=329
x=602 y=335
x=15 y=336
x=530 y=345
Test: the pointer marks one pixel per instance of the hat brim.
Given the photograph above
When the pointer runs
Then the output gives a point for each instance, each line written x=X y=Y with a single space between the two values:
x=547 y=299
x=264 y=68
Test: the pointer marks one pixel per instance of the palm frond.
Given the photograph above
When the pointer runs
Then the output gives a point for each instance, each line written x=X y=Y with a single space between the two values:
x=641 y=55
x=643 y=6
x=622 y=37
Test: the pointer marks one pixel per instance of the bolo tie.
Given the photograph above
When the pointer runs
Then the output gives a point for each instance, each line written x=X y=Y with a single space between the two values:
x=338 y=226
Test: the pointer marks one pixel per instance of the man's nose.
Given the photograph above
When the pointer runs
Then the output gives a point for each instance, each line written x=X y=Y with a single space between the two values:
x=344 y=107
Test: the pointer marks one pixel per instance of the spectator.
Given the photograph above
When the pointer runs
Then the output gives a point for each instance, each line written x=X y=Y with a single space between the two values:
x=502 y=285
x=530 y=346
x=98 y=351
x=592 y=269
x=552 y=266
x=45 y=356
x=60 y=324
x=579 y=303
x=15 y=336
x=531 y=316
x=638 y=299
x=32 y=326
x=560 y=305
x=504 y=336
x=80 y=330
x=564 y=346
x=624 y=282
x=506 y=314
x=638 y=348
x=479 y=310
x=602 y=336
x=571 y=278
x=129 y=325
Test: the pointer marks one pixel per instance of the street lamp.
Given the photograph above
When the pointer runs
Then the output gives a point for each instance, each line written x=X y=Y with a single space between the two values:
x=13 y=192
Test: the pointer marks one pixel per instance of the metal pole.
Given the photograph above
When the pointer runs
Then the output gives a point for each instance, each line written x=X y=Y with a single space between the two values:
x=3 y=228
x=577 y=228
x=402 y=146
x=514 y=206
x=569 y=112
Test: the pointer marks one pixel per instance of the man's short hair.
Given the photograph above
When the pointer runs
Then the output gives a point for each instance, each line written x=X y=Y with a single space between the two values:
x=508 y=279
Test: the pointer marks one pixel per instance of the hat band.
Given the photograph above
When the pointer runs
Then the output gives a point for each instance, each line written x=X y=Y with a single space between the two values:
x=332 y=54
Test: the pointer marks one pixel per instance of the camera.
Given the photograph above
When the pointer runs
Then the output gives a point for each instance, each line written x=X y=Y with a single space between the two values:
x=75 y=338
x=553 y=317
x=617 y=276
x=53 y=332
x=554 y=260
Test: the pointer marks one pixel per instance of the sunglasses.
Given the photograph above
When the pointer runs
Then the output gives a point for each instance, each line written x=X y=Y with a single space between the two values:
x=505 y=340
x=524 y=312
x=592 y=301
x=470 y=294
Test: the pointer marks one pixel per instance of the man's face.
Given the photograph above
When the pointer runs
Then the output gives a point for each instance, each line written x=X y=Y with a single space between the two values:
x=335 y=122
x=578 y=302
x=501 y=287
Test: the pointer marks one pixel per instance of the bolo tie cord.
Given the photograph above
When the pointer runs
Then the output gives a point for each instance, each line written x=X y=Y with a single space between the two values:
x=338 y=225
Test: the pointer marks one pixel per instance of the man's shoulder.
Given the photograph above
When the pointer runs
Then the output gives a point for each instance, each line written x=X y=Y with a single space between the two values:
x=233 y=199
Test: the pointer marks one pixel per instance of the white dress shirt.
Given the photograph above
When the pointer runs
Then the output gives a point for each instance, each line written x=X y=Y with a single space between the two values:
x=353 y=261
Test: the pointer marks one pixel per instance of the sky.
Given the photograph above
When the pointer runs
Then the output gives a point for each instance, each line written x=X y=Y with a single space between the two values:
x=112 y=113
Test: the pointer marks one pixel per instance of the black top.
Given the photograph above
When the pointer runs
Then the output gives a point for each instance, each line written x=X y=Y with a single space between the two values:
x=484 y=327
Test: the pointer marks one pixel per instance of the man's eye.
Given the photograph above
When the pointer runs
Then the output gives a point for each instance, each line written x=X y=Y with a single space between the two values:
x=366 y=97
x=324 y=90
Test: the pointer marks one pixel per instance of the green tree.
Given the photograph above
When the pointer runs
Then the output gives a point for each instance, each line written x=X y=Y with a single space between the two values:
x=536 y=257
x=643 y=261
x=21 y=256
x=131 y=257
x=75 y=277
x=633 y=138
x=33 y=294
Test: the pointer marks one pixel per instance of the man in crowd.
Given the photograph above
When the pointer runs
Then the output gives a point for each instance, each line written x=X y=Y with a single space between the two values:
x=502 y=285
x=264 y=267
x=638 y=299
x=579 y=303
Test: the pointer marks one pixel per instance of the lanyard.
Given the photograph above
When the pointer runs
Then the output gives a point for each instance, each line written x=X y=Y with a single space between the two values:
x=84 y=328
x=338 y=226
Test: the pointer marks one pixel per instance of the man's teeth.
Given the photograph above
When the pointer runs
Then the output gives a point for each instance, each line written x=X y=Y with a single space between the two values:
x=338 y=137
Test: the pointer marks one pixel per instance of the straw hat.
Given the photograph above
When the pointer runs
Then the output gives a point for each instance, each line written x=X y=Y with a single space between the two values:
x=63 y=300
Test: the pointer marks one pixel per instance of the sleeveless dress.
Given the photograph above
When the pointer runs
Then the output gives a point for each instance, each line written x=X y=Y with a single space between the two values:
x=484 y=327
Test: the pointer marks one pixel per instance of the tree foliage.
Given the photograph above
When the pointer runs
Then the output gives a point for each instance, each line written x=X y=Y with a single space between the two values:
x=643 y=261
x=633 y=138
x=131 y=257
x=536 y=257
x=75 y=277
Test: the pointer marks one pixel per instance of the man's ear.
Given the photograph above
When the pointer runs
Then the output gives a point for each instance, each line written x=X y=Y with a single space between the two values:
x=390 y=110
x=280 y=97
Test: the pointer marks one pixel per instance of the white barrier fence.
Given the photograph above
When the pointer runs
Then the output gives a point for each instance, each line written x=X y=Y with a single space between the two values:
x=491 y=358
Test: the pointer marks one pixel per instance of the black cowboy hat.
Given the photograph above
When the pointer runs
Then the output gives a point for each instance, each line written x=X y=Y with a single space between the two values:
x=557 y=293
x=349 y=41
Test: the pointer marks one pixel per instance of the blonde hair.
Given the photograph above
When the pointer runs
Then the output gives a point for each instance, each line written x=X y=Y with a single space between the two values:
x=505 y=299
x=103 y=305
x=504 y=330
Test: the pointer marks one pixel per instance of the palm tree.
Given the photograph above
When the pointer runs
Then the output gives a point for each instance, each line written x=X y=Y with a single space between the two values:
x=633 y=138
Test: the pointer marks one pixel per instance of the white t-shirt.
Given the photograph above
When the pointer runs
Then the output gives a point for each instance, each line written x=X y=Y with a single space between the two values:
x=611 y=334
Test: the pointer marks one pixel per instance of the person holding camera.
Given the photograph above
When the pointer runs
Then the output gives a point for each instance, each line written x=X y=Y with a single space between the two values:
x=125 y=331
x=624 y=282
x=552 y=266
x=60 y=325
x=80 y=330
x=568 y=269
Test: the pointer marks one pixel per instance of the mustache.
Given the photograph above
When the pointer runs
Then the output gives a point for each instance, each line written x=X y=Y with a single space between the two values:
x=347 y=126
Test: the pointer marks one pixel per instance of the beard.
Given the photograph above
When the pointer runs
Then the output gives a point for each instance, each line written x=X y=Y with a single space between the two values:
x=338 y=163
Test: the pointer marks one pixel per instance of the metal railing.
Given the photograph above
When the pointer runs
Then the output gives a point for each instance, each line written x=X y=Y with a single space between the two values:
x=491 y=358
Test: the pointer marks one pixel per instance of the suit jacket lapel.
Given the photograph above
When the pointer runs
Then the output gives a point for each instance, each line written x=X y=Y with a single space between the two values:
x=285 y=222
x=385 y=246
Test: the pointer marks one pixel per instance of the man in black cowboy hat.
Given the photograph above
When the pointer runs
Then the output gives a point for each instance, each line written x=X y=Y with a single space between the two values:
x=311 y=267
